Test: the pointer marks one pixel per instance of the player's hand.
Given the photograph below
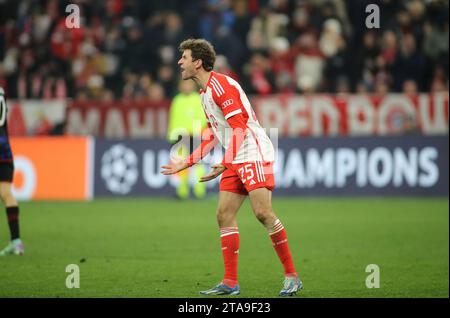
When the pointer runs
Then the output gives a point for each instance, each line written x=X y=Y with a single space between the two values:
x=217 y=170
x=174 y=167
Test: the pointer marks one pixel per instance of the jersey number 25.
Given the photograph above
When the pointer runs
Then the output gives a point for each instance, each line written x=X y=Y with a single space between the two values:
x=246 y=172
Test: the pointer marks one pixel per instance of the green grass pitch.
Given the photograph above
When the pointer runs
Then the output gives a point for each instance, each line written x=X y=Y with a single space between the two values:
x=166 y=248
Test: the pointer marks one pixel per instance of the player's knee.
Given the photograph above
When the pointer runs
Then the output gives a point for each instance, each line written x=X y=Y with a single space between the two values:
x=6 y=194
x=223 y=215
x=264 y=215
x=3 y=194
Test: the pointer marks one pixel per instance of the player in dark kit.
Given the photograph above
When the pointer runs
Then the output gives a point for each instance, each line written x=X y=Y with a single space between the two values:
x=15 y=247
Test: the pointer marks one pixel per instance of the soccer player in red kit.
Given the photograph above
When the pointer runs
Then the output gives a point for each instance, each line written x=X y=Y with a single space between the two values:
x=246 y=167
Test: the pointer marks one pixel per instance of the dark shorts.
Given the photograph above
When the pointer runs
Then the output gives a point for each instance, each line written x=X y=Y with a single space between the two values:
x=6 y=171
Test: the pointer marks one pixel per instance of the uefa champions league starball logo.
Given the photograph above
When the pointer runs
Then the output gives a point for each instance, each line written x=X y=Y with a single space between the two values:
x=119 y=169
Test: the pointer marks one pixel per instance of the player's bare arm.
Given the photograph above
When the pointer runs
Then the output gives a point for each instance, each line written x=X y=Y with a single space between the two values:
x=237 y=139
x=174 y=167
x=217 y=170
x=177 y=166
x=208 y=143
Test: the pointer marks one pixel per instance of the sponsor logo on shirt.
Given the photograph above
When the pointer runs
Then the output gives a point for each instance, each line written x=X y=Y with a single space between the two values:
x=227 y=103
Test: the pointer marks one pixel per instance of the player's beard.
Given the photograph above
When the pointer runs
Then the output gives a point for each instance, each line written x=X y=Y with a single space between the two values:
x=185 y=75
x=188 y=74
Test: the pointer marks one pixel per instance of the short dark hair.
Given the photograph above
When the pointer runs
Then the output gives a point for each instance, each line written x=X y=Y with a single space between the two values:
x=201 y=50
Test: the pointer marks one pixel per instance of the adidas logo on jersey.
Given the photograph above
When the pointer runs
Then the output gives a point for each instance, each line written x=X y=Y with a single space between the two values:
x=252 y=182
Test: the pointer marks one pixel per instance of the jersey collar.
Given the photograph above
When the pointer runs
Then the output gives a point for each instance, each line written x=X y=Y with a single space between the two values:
x=207 y=84
x=209 y=79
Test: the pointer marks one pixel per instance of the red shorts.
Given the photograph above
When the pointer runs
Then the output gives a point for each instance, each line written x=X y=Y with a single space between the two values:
x=244 y=177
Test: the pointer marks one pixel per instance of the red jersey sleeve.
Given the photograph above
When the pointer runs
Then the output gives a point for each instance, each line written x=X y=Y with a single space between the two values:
x=209 y=141
x=226 y=96
x=238 y=123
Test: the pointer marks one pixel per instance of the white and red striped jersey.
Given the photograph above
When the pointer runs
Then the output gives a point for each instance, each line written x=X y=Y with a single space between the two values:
x=224 y=98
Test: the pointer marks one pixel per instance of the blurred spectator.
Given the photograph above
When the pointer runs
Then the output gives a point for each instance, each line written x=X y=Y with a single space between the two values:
x=361 y=88
x=282 y=64
x=258 y=78
x=267 y=25
x=410 y=87
x=409 y=62
x=342 y=85
x=381 y=88
x=436 y=41
x=331 y=40
x=300 y=21
x=145 y=81
x=309 y=63
x=223 y=67
x=389 y=48
x=131 y=85
x=366 y=60
x=155 y=93
x=333 y=47
x=439 y=81
x=133 y=57
x=242 y=20
x=166 y=77
x=173 y=31
x=227 y=43
x=107 y=96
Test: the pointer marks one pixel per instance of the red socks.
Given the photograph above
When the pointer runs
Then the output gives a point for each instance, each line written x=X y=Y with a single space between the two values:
x=280 y=243
x=229 y=237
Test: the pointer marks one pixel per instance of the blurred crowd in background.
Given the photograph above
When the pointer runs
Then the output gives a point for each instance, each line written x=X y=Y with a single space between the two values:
x=128 y=49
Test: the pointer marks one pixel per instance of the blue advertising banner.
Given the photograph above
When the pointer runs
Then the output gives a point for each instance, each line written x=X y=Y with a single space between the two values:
x=131 y=167
x=322 y=166
x=387 y=166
